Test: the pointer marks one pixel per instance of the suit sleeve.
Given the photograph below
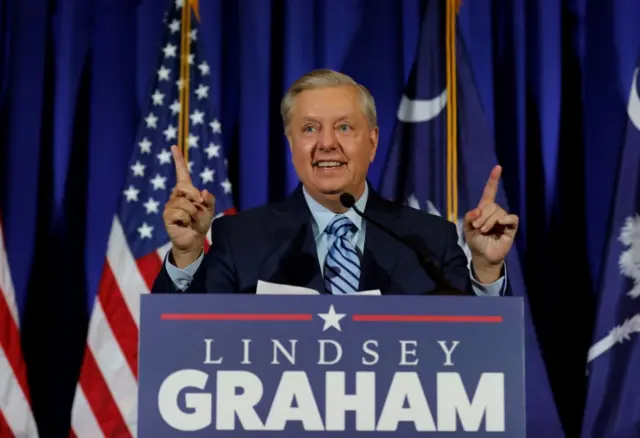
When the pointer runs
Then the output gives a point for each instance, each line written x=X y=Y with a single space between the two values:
x=454 y=263
x=216 y=273
x=456 y=270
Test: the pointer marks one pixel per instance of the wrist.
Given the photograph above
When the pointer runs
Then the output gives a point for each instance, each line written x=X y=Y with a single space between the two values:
x=486 y=272
x=182 y=258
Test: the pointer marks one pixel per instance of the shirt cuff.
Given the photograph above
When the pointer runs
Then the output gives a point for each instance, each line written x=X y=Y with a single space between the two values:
x=182 y=278
x=495 y=289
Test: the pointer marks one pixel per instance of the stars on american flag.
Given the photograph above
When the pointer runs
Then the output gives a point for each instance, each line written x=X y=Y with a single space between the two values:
x=138 y=169
x=151 y=175
x=138 y=241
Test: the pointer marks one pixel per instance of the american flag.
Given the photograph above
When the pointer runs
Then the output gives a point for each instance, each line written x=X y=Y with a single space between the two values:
x=105 y=402
x=16 y=417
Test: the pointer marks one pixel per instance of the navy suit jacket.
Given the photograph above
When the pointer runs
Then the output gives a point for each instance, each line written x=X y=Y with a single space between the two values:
x=275 y=243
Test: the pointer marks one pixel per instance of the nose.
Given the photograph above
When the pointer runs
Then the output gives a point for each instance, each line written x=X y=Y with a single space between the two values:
x=328 y=139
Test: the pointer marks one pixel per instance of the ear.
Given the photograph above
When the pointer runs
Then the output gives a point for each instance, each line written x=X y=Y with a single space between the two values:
x=288 y=136
x=374 y=135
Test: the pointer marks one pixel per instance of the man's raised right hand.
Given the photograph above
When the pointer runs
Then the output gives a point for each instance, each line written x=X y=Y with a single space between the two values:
x=187 y=215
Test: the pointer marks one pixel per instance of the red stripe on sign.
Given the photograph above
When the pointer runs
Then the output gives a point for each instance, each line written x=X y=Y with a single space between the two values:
x=236 y=317
x=427 y=318
x=120 y=320
x=100 y=399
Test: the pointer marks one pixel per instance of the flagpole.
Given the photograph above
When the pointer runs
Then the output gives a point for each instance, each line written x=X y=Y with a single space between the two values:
x=452 y=8
x=183 y=120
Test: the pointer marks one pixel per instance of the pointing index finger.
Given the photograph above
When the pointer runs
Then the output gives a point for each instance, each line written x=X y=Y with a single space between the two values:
x=491 y=189
x=182 y=170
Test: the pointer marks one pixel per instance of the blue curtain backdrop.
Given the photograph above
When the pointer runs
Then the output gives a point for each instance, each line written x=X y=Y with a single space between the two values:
x=553 y=77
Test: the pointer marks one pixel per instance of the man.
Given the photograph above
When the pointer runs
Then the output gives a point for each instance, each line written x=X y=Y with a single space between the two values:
x=310 y=239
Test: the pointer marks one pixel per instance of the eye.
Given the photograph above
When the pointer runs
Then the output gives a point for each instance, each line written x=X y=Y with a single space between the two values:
x=343 y=127
x=309 y=129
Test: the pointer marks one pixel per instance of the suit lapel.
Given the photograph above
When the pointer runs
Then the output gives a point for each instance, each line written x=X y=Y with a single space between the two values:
x=293 y=257
x=379 y=258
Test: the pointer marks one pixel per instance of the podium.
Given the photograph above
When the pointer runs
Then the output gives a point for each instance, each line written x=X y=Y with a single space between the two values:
x=340 y=366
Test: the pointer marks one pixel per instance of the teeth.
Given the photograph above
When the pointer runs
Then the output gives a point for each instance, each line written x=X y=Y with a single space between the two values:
x=329 y=164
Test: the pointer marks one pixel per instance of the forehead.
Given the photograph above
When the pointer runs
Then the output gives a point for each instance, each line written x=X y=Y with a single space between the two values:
x=325 y=103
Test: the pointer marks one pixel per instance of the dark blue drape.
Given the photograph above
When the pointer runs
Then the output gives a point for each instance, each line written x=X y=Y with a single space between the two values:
x=553 y=77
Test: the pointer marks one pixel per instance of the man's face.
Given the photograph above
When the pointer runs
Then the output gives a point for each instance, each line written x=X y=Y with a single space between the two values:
x=331 y=142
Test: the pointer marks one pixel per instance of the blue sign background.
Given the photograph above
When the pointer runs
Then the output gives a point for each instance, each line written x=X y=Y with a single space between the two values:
x=174 y=327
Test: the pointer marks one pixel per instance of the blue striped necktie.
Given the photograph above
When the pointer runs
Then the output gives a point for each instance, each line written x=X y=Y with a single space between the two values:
x=342 y=264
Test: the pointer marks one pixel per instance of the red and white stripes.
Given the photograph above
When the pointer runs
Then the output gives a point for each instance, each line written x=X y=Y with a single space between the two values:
x=106 y=403
x=16 y=416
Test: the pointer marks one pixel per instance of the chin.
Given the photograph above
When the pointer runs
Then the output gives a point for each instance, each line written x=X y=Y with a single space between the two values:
x=331 y=189
x=335 y=192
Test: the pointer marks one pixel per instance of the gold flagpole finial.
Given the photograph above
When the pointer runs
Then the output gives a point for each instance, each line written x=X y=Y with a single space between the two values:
x=196 y=8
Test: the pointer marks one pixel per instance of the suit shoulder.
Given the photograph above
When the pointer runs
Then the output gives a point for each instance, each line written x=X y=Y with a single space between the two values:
x=426 y=218
x=242 y=218
x=250 y=218
x=419 y=218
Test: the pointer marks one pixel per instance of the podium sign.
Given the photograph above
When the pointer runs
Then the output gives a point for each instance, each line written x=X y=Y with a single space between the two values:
x=339 y=366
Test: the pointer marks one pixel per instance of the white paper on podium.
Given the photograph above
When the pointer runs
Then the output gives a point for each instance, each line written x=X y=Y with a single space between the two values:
x=267 y=288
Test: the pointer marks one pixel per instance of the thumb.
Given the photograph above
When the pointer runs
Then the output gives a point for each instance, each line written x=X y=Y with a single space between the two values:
x=472 y=215
x=209 y=201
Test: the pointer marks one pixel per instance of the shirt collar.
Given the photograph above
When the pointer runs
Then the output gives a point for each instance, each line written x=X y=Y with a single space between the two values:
x=322 y=215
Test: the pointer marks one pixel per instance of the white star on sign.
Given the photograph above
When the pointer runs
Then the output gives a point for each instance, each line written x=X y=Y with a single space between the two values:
x=332 y=319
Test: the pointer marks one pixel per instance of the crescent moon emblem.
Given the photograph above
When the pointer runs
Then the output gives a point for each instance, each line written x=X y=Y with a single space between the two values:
x=633 y=109
x=417 y=111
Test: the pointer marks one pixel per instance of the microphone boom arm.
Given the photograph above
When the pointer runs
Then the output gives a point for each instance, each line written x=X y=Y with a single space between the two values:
x=427 y=263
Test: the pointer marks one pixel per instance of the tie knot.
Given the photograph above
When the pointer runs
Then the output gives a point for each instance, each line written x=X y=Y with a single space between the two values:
x=339 y=226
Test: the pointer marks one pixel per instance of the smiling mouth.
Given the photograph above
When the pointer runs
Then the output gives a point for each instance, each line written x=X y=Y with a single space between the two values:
x=328 y=164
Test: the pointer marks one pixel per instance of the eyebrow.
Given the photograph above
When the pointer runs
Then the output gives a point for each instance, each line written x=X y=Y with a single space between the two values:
x=313 y=119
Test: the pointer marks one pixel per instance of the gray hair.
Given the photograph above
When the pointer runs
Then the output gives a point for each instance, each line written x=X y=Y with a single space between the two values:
x=325 y=78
